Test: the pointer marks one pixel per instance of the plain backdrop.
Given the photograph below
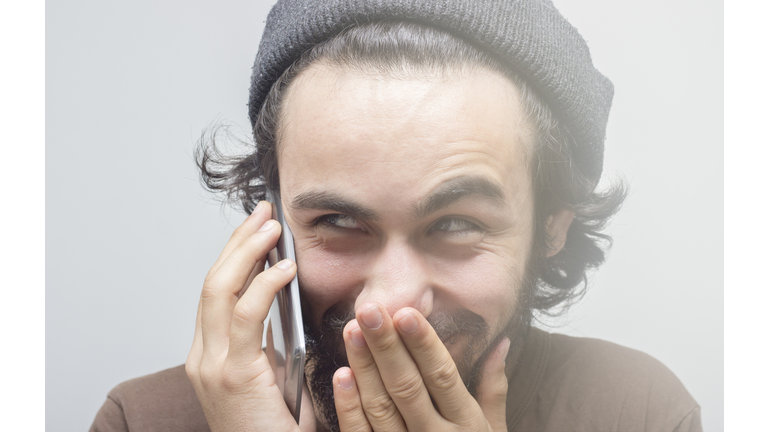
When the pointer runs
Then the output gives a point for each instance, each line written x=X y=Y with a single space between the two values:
x=130 y=233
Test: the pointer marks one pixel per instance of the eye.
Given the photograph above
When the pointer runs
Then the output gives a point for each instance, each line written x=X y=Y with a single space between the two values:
x=454 y=225
x=340 y=221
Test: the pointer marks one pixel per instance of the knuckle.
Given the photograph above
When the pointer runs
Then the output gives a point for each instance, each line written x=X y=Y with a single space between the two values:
x=230 y=379
x=211 y=280
x=381 y=409
x=192 y=370
x=210 y=288
x=366 y=366
x=209 y=275
x=208 y=377
x=243 y=378
x=242 y=314
x=347 y=407
x=500 y=391
x=423 y=343
x=444 y=376
x=406 y=388
x=387 y=344
x=495 y=392
x=238 y=233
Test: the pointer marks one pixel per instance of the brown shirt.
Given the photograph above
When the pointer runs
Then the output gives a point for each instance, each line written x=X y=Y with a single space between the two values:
x=562 y=384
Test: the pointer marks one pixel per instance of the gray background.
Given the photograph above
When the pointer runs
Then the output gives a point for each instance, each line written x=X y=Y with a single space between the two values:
x=130 y=233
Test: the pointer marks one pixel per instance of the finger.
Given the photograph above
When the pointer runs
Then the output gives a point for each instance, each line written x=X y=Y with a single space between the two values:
x=195 y=355
x=492 y=391
x=220 y=290
x=379 y=408
x=260 y=214
x=252 y=309
x=270 y=349
x=307 y=420
x=256 y=270
x=264 y=215
x=349 y=408
x=438 y=370
x=399 y=373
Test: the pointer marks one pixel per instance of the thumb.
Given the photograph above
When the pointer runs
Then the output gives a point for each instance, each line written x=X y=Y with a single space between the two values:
x=307 y=422
x=492 y=391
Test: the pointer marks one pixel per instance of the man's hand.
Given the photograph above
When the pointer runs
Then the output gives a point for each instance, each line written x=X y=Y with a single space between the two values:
x=228 y=369
x=399 y=367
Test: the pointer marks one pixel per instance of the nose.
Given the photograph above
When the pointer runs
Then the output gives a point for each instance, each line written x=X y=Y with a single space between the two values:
x=399 y=277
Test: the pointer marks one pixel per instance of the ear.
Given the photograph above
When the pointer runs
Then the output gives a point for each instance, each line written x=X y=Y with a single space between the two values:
x=557 y=230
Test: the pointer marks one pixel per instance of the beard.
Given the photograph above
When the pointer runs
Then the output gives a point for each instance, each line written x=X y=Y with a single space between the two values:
x=461 y=327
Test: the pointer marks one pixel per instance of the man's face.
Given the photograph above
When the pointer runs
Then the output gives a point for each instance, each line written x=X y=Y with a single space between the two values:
x=408 y=192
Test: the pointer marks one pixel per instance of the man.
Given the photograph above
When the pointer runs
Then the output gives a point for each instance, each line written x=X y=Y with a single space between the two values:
x=437 y=163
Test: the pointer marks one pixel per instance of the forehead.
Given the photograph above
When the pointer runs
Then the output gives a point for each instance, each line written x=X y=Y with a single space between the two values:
x=341 y=125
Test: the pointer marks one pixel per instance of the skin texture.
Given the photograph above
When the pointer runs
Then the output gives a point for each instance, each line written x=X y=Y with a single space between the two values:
x=408 y=197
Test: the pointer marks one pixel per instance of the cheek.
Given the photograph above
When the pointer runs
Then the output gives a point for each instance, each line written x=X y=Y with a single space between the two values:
x=327 y=279
x=487 y=285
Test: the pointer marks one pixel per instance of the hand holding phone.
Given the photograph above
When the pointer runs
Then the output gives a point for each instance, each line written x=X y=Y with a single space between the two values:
x=233 y=377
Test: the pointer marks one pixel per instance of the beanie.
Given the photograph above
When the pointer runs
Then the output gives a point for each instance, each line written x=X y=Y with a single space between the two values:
x=530 y=36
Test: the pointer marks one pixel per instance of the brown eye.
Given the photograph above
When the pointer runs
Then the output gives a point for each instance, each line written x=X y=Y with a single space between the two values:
x=453 y=225
x=341 y=221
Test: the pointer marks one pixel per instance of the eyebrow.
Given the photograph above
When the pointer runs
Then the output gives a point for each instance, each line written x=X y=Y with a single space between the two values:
x=457 y=189
x=439 y=198
x=321 y=200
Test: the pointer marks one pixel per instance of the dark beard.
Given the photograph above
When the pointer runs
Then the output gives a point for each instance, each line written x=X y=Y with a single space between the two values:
x=462 y=326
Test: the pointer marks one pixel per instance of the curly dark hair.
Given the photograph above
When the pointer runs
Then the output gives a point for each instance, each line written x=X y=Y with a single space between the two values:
x=400 y=49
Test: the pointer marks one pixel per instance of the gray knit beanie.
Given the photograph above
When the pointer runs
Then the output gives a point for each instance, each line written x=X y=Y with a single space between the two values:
x=529 y=35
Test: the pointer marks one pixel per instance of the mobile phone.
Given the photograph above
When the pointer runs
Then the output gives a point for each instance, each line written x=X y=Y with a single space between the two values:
x=285 y=319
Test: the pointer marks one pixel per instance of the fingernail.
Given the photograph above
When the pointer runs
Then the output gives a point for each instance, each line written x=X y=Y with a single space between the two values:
x=409 y=323
x=357 y=337
x=372 y=318
x=258 y=208
x=346 y=382
x=268 y=225
x=285 y=264
x=504 y=349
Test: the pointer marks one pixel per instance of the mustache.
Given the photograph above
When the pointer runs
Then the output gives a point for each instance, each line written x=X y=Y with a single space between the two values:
x=449 y=326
